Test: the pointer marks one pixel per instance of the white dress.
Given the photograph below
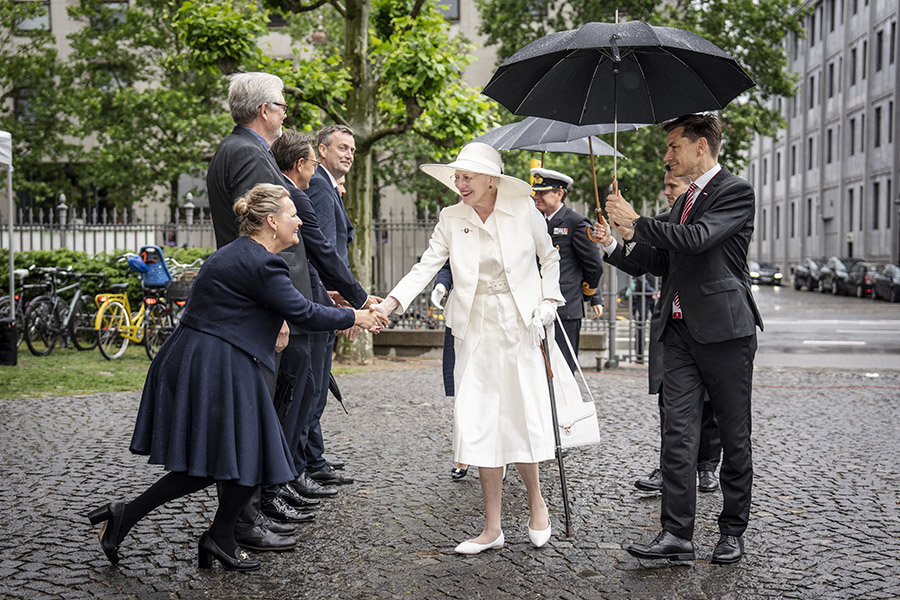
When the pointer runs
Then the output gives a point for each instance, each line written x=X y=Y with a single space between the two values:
x=502 y=407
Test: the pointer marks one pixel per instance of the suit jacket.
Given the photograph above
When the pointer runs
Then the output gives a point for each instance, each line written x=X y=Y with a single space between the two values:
x=704 y=260
x=240 y=162
x=580 y=263
x=523 y=235
x=243 y=293
x=326 y=268
x=330 y=212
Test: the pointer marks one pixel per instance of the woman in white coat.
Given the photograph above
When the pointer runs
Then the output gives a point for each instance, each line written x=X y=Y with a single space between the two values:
x=497 y=310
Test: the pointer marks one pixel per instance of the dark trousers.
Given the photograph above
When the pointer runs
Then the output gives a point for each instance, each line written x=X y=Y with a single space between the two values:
x=710 y=448
x=303 y=397
x=321 y=348
x=573 y=330
x=725 y=370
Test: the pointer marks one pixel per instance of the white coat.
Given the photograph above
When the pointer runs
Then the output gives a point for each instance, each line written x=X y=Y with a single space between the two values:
x=523 y=236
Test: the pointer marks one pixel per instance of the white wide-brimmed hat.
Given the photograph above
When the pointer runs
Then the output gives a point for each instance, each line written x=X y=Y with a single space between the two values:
x=476 y=157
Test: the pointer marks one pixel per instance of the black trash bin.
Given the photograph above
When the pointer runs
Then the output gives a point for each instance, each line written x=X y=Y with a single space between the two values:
x=9 y=353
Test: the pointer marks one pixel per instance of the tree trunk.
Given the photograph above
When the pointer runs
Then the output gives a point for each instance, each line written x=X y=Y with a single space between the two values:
x=358 y=201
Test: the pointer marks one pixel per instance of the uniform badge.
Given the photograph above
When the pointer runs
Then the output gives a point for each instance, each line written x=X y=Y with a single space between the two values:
x=560 y=231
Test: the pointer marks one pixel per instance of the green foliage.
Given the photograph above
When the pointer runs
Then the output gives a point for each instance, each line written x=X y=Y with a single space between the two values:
x=32 y=84
x=221 y=33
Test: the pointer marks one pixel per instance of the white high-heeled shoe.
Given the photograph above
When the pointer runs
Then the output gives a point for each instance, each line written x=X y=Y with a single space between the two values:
x=470 y=547
x=539 y=538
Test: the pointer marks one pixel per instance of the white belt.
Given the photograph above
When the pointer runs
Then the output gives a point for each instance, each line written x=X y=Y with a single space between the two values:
x=494 y=286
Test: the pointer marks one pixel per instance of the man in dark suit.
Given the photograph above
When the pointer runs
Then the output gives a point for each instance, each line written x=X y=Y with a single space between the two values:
x=708 y=330
x=336 y=148
x=580 y=264
x=294 y=154
x=709 y=449
x=242 y=160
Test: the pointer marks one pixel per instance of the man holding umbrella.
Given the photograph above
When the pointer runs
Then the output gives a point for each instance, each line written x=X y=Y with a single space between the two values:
x=580 y=263
x=709 y=321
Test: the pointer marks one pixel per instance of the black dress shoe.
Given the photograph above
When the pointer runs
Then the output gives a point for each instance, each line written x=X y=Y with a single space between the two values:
x=275 y=526
x=653 y=482
x=666 y=545
x=208 y=548
x=293 y=497
x=328 y=476
x=335 y=463
x=311 y=488
x=111 y=517
x=729 y=550
x=279 y=510
x=257 y=537
x=707 y=482
x=457 y=473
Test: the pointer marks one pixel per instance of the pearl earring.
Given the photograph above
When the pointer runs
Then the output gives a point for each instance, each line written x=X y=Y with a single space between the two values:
x=274 y=235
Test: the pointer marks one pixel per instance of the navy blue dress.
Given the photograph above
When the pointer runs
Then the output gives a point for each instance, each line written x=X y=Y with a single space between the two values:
x=205 y=409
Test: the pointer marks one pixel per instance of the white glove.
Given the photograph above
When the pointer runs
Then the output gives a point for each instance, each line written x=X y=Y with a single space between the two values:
x=536 y=331
x=546 y=311
x=438 y=294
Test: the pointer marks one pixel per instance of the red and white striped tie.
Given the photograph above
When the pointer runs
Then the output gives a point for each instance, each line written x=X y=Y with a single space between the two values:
x=688 y=204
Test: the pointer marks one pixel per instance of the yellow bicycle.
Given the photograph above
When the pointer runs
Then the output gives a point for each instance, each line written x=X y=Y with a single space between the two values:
x=116 y=324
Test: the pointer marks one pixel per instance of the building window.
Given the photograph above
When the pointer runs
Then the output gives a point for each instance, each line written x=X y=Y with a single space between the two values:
x=765 y=171
x=862 y=199
x=812 y=91
x=887 y=201
x=831 y=80
x=793 y=218
x=778 y=166
x=852 y=137
x=793 y=159
x=865 y=53
x=762 y=225
x=852 y=67
x=854 y=6
x=809 y=153
x=890 y=123
x=809 y=220
x=862 y=133
x=812 y=30
x=875 y=208
x=23 y=107
x=831 y=15
x=879 y=43
x=753 y=174
x=850 y=209
x=39 y=21
x=829 y=139
x=450 y=8
x=892 y=50
x=877 y=141
x=777 y=222
x=538 y=8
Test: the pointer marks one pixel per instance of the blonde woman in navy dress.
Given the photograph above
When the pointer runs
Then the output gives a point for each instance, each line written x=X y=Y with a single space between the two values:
x=206 y=414
x=500 y=303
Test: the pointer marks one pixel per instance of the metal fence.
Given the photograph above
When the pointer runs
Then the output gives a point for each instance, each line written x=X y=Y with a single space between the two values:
x=95 y=232
x=398 y=243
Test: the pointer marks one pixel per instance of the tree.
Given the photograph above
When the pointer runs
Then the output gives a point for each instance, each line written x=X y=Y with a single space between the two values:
x=31 y=81
x=154 y=108
x=753 y=32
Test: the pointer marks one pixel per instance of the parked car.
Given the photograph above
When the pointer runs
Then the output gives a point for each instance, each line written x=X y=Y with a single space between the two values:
x=806 y=274
x=764 y=273
x=886 y=283
x=859 y=280
x=833 y=274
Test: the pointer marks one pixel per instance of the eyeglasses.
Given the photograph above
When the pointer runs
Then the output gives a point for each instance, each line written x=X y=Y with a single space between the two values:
x=283 y=106
x=312 y=160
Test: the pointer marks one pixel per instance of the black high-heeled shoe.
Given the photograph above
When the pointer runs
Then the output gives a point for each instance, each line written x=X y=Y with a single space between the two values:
x=111 y=516
x=457 y=473
x=207 y=548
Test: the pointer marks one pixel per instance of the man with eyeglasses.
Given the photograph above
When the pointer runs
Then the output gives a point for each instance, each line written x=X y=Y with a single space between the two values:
x=243 y=160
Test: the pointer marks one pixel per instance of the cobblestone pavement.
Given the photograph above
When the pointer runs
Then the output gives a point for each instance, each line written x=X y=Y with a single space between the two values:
x=825 y=520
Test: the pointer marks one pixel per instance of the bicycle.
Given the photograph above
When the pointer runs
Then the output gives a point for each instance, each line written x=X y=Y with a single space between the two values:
x=116 y=324
x=20 y=300
x=163 y=316
x=48 y=318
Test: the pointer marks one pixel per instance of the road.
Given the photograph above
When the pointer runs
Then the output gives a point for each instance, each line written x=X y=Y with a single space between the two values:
x=809 y=329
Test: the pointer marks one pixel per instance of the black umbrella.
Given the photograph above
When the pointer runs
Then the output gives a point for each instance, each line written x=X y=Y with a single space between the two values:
x=610 y=72
x=336 y=391
x=535 y=131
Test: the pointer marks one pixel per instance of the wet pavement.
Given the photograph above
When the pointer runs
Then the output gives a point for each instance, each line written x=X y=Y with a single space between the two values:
x=825 y=521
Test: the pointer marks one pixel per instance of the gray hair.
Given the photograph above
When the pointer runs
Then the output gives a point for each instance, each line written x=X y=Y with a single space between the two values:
x=249 y=91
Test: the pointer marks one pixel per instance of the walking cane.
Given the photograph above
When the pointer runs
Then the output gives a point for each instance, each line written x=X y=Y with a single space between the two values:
x=545 y=350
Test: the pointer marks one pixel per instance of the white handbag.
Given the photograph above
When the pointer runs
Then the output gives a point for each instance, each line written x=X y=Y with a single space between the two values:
x=577 y=422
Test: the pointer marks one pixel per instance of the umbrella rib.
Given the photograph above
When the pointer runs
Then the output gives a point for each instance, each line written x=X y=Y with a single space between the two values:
x=538 y=82
x=588 y=94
